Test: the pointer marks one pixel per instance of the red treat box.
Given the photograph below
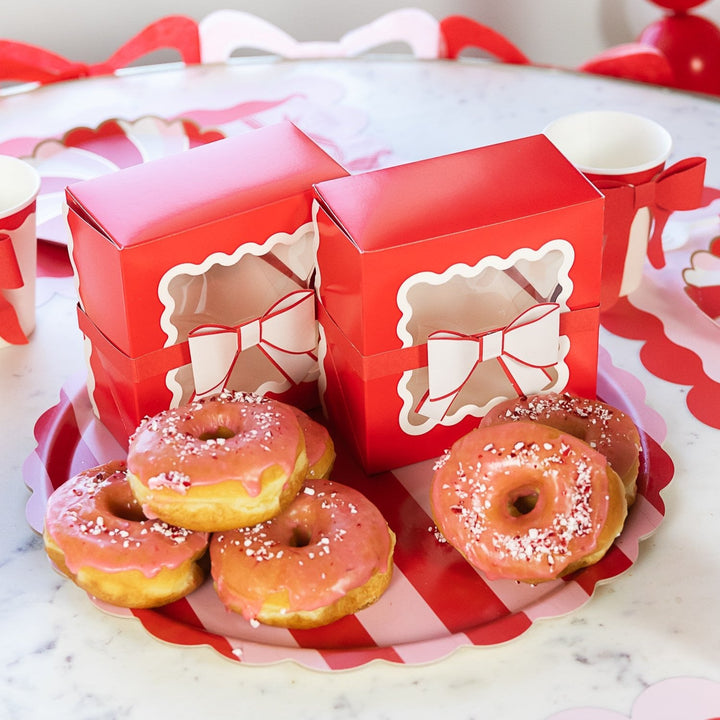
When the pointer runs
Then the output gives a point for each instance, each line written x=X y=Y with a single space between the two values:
x=193 y=273
x=450 y=284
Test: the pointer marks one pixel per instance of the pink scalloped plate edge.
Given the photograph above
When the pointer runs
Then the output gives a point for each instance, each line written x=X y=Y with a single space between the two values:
x=435 y=604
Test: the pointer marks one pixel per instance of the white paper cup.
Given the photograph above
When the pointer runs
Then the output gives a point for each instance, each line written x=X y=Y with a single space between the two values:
x=19 y=187
x=608 y=145
x=611 y=143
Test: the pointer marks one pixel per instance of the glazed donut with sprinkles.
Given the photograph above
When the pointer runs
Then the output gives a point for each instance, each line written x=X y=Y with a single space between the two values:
x=527 y=502
x=603 y=427
x=96 y=534
x=229 y=461
x=327 y=555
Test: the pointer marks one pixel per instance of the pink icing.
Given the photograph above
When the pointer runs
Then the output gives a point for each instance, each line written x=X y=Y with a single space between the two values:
x=605 y=428
x=343 y=541
x=317 y=438
x=477 y=485
x=95 y=520
x=168 y=450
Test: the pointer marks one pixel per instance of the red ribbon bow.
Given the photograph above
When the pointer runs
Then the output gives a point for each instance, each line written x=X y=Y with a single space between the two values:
x=678 y=187
x=10 y=279
x=21 y=62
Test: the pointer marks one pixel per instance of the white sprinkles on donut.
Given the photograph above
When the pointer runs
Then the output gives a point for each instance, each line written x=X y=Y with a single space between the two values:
x=89 y=487
x=171 y=424
x=255 y=542
x=541 y=406
x=471 y=488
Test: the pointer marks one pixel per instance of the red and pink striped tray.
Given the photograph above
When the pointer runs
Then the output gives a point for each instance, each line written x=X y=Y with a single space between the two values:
x=436 y=601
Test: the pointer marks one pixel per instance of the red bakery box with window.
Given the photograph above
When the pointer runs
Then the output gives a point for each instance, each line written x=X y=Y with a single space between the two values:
x=194 y=274
x=449 y=284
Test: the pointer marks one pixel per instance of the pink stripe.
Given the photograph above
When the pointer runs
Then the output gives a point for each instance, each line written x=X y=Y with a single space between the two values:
x=401 y=616
x=642 y=521
x=241 y=110
x=447 y=583
x=565 y=598
x=38 y=482
x=260 y=654
x=347 y=636
x=432 y=649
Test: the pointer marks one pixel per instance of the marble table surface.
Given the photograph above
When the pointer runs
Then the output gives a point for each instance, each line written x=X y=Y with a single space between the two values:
x=646 y=645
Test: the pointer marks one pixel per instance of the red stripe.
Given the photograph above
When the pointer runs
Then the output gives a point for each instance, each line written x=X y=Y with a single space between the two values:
x=655 y=474
x=347 y=659
x=458 y=595
x=501 y=630
x=57 y=434
x=614 y=563
x=178 y=624
x=344 y=644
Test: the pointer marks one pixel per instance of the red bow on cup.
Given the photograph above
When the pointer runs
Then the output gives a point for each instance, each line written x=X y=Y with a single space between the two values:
x=21 y=62
x=525 y=349
x=678 y=187
x=286 y=334
x=10 y=279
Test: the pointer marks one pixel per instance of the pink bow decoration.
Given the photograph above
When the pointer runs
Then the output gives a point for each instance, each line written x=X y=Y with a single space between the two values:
x=286 y=333
x=524 y=349
x=10 y=279
x=21 y=62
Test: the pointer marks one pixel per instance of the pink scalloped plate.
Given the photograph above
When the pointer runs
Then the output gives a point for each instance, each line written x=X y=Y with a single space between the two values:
x=435 y=603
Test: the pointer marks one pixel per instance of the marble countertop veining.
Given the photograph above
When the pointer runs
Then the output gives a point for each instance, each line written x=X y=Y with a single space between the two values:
x=64 y=658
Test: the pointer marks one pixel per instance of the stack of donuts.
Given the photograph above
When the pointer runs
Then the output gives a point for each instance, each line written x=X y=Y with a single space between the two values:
x=238 y=482
x=540 y=489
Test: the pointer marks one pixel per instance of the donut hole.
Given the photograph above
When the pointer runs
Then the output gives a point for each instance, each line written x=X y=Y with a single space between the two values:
x=221 y=432
x=117 y=501
x=299 y=537
x=523 y=502
x=130 y=511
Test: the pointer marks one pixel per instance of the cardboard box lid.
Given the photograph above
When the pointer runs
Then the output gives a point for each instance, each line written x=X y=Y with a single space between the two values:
x=449 y=194
x=225 y=177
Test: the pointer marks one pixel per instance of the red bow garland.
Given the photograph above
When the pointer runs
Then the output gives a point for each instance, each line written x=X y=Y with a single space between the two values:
x=678 y=187
x=21 y=62
x=459 y=32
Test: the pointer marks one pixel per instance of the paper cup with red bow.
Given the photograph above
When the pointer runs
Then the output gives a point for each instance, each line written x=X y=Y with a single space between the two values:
x=19 y=186
x=624 y=156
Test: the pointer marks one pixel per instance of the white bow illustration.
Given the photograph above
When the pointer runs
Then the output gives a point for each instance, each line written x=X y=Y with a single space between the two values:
x=286 y=333
x=525 y=349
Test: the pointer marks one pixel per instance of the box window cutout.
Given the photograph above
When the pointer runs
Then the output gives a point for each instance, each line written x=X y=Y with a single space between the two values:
x=230 y=290
x=471 y=301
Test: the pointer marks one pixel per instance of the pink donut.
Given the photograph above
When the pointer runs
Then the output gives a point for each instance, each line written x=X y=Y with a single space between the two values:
x=96 y=534
x=327 y=555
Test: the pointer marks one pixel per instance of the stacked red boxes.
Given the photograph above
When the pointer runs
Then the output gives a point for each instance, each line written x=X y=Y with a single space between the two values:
x=194 y=274
x=450 y=284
